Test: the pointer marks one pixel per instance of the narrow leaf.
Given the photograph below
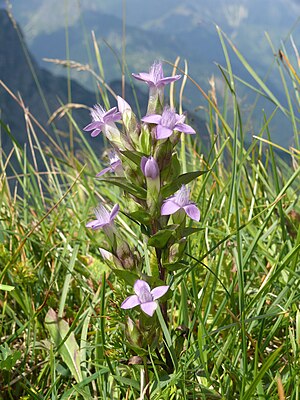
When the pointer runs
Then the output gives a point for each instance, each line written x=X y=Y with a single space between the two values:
x=182 y=179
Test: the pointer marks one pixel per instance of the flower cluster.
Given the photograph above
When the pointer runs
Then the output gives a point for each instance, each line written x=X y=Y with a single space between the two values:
x=144 y=162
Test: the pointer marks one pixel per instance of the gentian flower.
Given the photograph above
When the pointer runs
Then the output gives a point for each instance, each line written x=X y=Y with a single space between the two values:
x=155 y=77
x=115 y=164
x=181 y=200
x=149 y=167
x=102 y=120
x=104 y=218
x=167 y=123
x=144 y=297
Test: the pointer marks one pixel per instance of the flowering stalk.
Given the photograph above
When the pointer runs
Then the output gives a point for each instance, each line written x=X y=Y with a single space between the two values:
x=146 y=167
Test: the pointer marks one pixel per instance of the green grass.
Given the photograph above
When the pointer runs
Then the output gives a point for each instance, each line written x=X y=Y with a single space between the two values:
x=234 y=319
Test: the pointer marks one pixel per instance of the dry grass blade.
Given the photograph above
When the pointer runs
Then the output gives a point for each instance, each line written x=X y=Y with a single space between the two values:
x=61 y=111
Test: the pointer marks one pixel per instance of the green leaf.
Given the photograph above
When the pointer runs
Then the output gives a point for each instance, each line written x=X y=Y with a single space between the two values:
x=134 y=156
x=128 y=276
x=160 y=239
x=182 y=179
x=141 y=216
x=8 y=358
x=189 y=231
x=7 y=288
x=136 y=191
x=176 y=266
x=68 y=348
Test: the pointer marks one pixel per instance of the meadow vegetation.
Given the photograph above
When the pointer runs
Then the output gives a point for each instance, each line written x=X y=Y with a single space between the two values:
x=232 y=323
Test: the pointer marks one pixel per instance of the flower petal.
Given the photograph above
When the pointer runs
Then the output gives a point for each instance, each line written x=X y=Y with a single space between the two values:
x=159 y=291
x=149 y=307
x=114 y=212
x=140 y=287
x=167 y=79
x=130 y=302
x=152 y=119
x=185 y=128
x=95 y=132
x=143 y=76
x=95 y=224
x=162 y=132
x=192 y=211
x=92 y=126
x=107 y=169
x=169 y=207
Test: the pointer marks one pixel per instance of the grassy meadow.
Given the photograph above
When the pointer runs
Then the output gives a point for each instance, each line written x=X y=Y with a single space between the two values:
x=232 y=329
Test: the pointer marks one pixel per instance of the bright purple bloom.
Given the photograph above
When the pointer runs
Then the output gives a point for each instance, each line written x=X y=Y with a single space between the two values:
x=149 y=167
x=181 y=200
x=144 y=297
x=115 y=163
x=102 y=119
x=155 y=77
x=104 y=218
x=168 y=122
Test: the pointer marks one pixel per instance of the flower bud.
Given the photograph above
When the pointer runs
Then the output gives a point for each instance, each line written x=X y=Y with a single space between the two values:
x=149 y=167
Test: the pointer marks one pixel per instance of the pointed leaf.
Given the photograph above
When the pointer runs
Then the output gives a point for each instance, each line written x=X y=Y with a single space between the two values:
x=136 y=191
x=160 y=239
x=69 y=350
x=182 y=179
x=189 y=231
x=128 y=276
x=134 y=156
x=176 y=266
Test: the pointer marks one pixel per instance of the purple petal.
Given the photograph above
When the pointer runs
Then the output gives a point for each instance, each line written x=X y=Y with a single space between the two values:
x=149 y=167
x=149 y=307
x=143 y=76
x=114 y=212
x=152 y=119
x=185 y=128
x=162 y=132
x=95 y=132
x=113 y=117
x=92 y=126
x=169 y=207
x=108 y=169
x=143 y=163
x=111 y=111
x=140 y=287
x=192 y=211
x=95 y=224
x=130 y=302
x=159 y=291
x=167 y=79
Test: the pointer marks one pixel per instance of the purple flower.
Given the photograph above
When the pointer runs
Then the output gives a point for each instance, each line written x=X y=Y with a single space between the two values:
x=115 y=164
x=155 y=77
x=167 y=123
x=144 y=297
x=181 y=200
x=102 y=120
x=104 y=218
x=149 y=167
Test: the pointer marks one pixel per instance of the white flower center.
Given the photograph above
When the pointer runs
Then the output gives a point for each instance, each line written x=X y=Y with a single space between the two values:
x=168 y=118
x=97 y=113
x=182 y=197
x=102 y=214
x=145 y=296
x=156 y=72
